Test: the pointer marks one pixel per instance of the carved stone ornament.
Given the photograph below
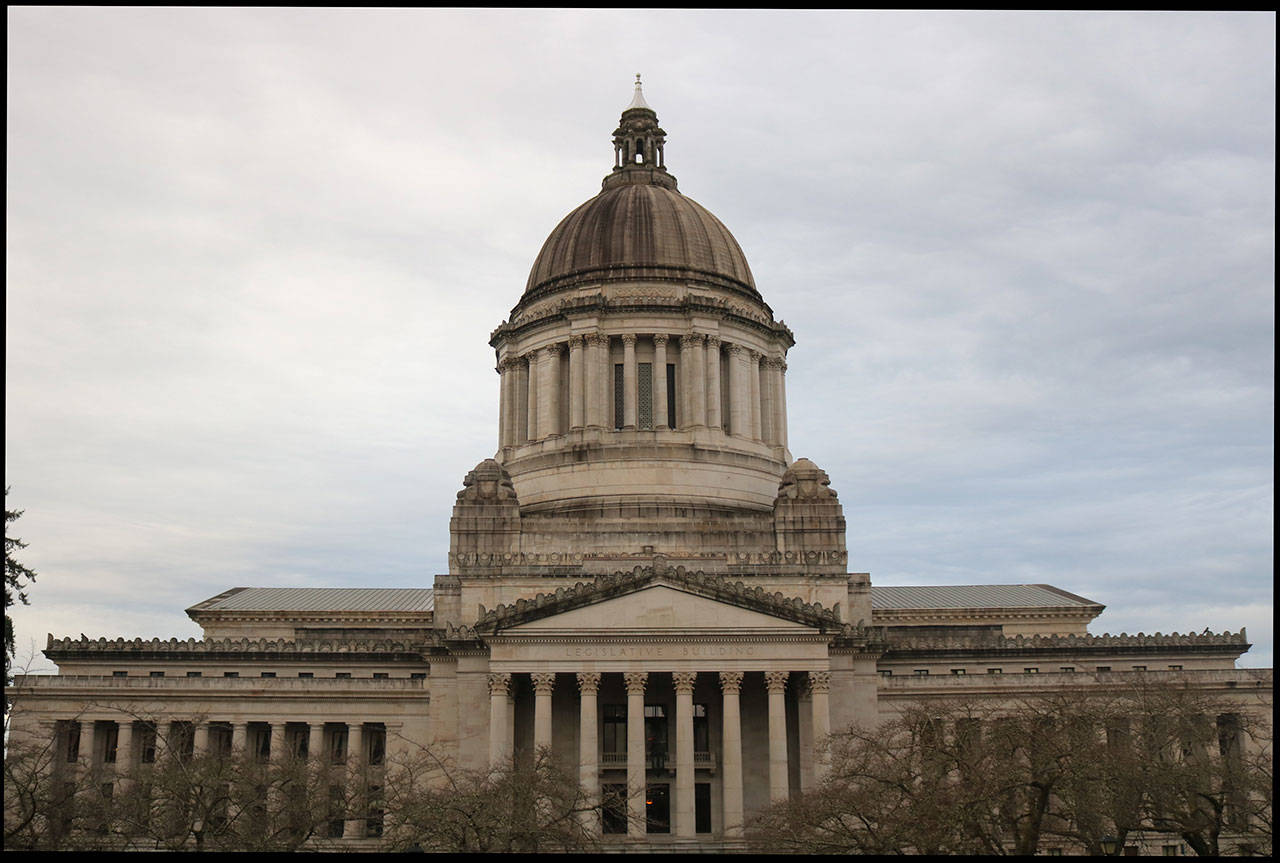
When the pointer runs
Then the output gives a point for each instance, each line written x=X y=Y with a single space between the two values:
x=543 y=682
x=819 y=681
x=776 y=681
x=730 y=681
x=683 y=681
x=636 y=681
x=588 y=682
x=499 y=683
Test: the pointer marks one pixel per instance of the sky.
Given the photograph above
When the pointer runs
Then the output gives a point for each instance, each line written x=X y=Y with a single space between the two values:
x=254 y=257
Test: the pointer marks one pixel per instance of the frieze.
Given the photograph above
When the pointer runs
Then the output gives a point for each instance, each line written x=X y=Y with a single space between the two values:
x=828 y=557
x=1017 y=643
x=66 y=647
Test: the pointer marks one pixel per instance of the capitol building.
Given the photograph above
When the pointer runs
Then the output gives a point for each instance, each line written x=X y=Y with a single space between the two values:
x=642 y=579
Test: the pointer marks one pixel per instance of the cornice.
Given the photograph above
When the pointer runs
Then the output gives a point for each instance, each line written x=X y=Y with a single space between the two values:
x=908 y=647
x=352 y=650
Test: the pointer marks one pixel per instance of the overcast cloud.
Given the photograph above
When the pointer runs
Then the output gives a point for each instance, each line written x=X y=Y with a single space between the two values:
x=254 y=258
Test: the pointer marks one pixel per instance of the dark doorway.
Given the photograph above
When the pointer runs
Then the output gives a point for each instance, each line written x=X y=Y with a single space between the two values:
x=657 y=808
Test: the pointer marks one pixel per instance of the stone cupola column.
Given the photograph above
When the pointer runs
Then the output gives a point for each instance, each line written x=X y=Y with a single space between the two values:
x=549 y=391
x=660 y=418
x=636 y=786
x=504 y=404
x=629 y=390
x=531 y=405
x=543 y=683
x=776 y=682
x=713 y=383
x=731 y=739
x=595 y=400
x=577 y=416
x=499 y=733
x=588 y=744
x=820 y=689
x=782 y=401
x=768 y=401
x=683 y=682
x=739 y=392
x=692 y=358
x=753 y=381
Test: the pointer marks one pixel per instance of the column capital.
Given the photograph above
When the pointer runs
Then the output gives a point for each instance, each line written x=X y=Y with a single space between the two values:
x=499 y=683
x=771 y=362
x=683 y=681
x=543 y=682
x=713 y=341
x=660 y=339
x=588 y=682
x=597 y=339
x=736 y=349
x=628 y=339
x=506 y=364
x=754 y=356
x=776 y=681
x=576 y=341
x=635 y=681
x=731 y=681
x=691 y=340
x=820 y=681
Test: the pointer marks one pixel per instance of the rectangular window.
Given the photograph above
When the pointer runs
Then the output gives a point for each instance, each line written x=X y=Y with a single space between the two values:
x=1067 y=668
x=702 y=807
x=671 y=395
x=157 y=674
x=657 y=808
x=613 y=808
x=995 y=671
x=958 y=672
x=619 y=390
x=1104 y=668
x=148 y=743
x=1030 y=671
x=921 y=672
x=336 y=805
x=644 y=395
x=655 y=736
x=195 y=674
x=380 y=675
x=615 y=730
x=1175 y=668
x=376 y=740
x=306 y=675
x=418 y=675
x=119 y=674
x=701 y=730
x=343 y=675
x=373 y=823
x=885 y=672
x=1139 y=668
x=230 y=674
x=268 y=674
x=337 y=744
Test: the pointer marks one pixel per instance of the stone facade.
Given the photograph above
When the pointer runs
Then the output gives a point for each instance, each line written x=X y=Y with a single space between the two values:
x=642 y=580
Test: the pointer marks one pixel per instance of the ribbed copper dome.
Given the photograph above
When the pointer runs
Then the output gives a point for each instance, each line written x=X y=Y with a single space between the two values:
x=640 y=228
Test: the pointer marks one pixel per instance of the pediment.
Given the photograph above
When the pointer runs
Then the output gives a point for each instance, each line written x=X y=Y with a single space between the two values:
x=660 y=608
x=649 y=598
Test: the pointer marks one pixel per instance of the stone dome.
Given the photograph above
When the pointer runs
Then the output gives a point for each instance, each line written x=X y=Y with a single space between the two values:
x=640 y=227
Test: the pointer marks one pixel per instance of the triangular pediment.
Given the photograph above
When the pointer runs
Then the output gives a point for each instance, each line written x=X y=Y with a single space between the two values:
x=660 y=608
x=649 y=598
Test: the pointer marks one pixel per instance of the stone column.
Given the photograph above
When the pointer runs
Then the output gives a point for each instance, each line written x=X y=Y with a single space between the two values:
x=660 y=418
x=239 y=738
x=776 y=682
x=713 y=383
x=499 y=734
x=531 y=405
x=277 y=742
x=753 y=381
x=504 y=403
x=597 y=359
x=768 y=402
x=200 y=745
x=820 y=689
x=124 y=753
x=354 y=827
x=90 y=755
x=315 y=743
x=577 y=416
x=549 y=391
x=782 y=402
x=636 y=785
x=629 y=390
x=804 y=733
x=588 y=745
x=543 y=683
x=739 y=392
x=731 y=739
x=683 y=682
x=698 y=379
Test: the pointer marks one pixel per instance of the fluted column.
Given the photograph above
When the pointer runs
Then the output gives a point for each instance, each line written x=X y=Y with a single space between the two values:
x=315 y=743
x=549 y=391
x=731 y=739
x=588 y=745
x=713 y=383
x=124 y=753
x=594 y=358
x=239 y=738
x=531 y=403
x=629 y=381
x=694 y=381
x=504 y=403
x=753 y=381
x=277 y=742
x=354 y=828
x=577 y=414
x=683 y=682
x=782 y=401
x=200 y=743
x=739 y=392
x=499 y=733
x=660 y=418
x=768 y=402
x=820 y=690
x=636 y=787
x=543 y=683
x=776 y=682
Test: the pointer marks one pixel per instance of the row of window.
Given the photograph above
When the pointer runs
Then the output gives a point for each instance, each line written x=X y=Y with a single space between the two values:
x=1032 y=669
x=305 y=675
x=657 y=808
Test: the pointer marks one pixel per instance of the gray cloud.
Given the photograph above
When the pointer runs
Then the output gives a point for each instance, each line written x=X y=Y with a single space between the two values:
x=254 y=258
